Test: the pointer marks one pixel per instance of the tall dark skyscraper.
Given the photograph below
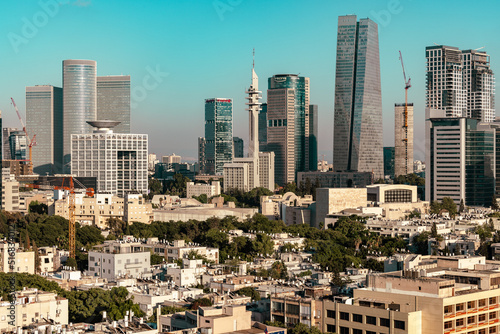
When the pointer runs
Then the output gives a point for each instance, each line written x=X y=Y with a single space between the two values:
x=357 y=143
x=218 y=134
x=44 y=118
x=238 y=147
x=313 y=137
x=113 y=100
x=263 y=127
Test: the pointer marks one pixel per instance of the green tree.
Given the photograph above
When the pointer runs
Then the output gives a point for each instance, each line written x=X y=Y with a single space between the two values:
x=462 y=206
x=156 y=259
x=301 y=328
x=249 y=292
x=278 y=270
x=36 y=207
x=71 y=262
x=494 y=203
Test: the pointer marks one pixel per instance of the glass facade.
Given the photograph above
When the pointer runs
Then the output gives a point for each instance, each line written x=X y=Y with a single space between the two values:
x=44 y=118
x=313 y=137
x=358 y=98
x=18 y=145
x=113 y=101
x=389 y=153
x=238 y=147
x=263 y=127
x=79 y=102
x=218 y=134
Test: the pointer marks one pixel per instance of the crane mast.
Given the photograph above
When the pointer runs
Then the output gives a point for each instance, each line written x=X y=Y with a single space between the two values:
x=407 y=86
x=31 y=142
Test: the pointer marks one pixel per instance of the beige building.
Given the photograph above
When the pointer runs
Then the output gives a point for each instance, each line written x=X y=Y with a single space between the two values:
x=33 y=306
x=98 y=209
x=288 y=207
x=10 y=194
x=403 y=148
x=397 y=200
x=197 y=189
x=335 y=200
x=24 y=260
x=460 y=295
x=179 y=250
x=290 y=310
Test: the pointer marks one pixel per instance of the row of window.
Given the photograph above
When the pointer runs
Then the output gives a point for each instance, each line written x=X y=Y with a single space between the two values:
x=471 y=320
x=370 y=320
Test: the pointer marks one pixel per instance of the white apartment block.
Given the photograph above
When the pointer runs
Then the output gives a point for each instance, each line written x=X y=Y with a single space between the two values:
x=171 y=159
x=114 y=259
x=24 y=260
x=197 y=189
x=460 y=82
x=10 y=194
x=33 y=306
x=119 y=161
x=179 y=250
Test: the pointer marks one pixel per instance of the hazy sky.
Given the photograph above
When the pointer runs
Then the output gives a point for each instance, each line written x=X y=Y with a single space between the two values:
x=180 y=52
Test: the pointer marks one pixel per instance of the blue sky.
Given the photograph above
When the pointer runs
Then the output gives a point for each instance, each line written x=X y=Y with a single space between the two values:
x=200 y=49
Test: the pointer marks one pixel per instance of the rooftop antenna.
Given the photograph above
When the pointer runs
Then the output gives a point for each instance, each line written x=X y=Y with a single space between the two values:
x=253 y=56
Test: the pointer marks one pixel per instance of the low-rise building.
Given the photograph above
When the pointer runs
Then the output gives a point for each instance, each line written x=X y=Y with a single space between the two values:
x=116 y=259
x=197 y=189
x=98 y=209
x=33 y=306
x=291 y=309
x=397 y=200
x=24 y=261
x=290 y=208
x=335 y=200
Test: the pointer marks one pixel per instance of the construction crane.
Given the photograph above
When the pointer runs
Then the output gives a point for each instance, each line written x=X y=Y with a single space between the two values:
x=31 y=142
x=407 y=86
x=70 y=187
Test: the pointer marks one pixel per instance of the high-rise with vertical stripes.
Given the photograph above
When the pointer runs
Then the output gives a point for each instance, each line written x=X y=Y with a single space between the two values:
x=358 y=132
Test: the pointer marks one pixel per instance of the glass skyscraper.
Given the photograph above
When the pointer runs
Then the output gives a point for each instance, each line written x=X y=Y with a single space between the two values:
x=218 y=134
x=288 y=125
x=357 y=143
x=79 y=102
x=313 y=137
x=113 y=100
x=44 y=118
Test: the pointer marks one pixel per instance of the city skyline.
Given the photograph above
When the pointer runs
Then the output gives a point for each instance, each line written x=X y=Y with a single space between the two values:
x=169 y=88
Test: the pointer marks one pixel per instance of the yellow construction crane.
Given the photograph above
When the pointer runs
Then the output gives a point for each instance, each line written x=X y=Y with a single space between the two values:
x=407 y=86
x=31 y=142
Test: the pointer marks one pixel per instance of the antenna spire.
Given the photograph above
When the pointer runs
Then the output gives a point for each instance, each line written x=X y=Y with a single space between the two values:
x=253 y=60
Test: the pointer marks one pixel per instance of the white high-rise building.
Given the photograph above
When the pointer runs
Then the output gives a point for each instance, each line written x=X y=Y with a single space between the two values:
x=119 y=161
x=460 y=82
x=258 y=169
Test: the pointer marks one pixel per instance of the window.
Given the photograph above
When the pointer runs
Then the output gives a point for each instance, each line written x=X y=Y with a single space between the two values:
x=448 y=324
x=344 y=330
x=481 y=302
x=344 y=316
x=357 y=331
x=371 y=320
x=357 y=318
x=399 y=324
x=330 y=314
x=448 y=309
x=493 y=315
x=330 y=328
x=471 y=320
x=384 y=322
x=493 y=329
x=493 y=300
x=471 y=304
x=459 y=322
x=460 y=307
x=481 y=317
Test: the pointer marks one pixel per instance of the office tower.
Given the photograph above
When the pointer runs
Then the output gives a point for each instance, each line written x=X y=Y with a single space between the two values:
x=445 y=89
x=288 y=125
x=44 y=118
x=479 y=85
x=79 y=102
x=113 y=100
x=238 y=147
x=460 y=159
x=218 y=134
x=403 y=132
x=201 y=154
x=18 y=145
x=6 y=142
x=357 y=141
x=389 y=153
x=257 y=170
x=119 y=161
x=313 y=137
x=263 y=127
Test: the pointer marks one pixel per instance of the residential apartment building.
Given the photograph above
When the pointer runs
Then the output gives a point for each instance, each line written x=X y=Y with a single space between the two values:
x=179 y=250
x=119 y=161
x=33 y=306
x=10 y=193
x=113 y=260
x=24 y=260
x=291 y=310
